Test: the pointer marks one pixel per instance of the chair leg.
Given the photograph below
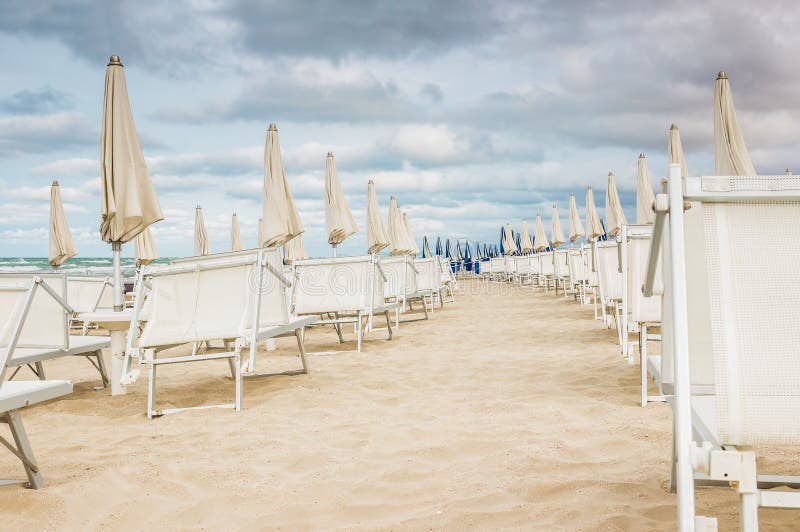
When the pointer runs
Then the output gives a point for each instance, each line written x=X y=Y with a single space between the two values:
x=358 y=332
x=237 y=377
x=643 y=361
x=101 y=367
x=24 y=449
x=425 y=307
x=40 y=371
x=232 y=366
x=748 y=492
x=338 y=327
x=299 y=335
x=388 y=323
x=151 y=391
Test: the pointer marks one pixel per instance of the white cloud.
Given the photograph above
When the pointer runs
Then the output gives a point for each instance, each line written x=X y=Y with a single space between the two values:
x=429 y=143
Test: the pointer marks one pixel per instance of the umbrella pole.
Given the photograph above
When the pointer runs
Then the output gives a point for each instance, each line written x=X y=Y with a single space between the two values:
x=116 y=248
x=334 y=246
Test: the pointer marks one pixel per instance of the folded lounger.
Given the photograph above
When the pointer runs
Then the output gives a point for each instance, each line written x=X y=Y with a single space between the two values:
x=429 y=279
x=609 y=280
x=729 y=334
x=33 y=356
x=402 y=284
x=240 y=298
x=351 y=289
x=32 y=314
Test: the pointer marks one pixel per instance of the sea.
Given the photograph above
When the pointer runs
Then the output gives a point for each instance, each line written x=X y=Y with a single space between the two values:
x=74 y=266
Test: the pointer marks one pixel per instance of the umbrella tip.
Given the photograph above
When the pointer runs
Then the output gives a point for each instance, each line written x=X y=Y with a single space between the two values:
x=722 y=75
x=674 y=126
x=788 y=172
x=272 y=127
x=55 y=183
x=370 y=182
x=641 y=155
x=114 y=61
x=610 y=173
x=330 y=154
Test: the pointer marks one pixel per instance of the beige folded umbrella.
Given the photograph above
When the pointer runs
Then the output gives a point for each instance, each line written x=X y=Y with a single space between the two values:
x=558 y=233
x=730 y=153
x=594 y=228
x=338 y=218
x=129 y=203
x=200 y=234
x=144 y=248
x=412 y=242
x=293 y=250
x=509 y=245
x=540 y=242
x=575 y=226
x=644 y=193
x=675 y=150
x=377 y=236
x=615 y=217
x=236 y=235
x=281 y=220
x=397 y=239
x=525 y=239
x=61 y=245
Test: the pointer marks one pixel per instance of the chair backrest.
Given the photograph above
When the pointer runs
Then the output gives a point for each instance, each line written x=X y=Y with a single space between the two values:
x=47 y=323
x=546 y=266
x=90 y=293
x=401 y=276
x=608 y=269
x=577 y=268
x=743 y=240
x=523 y=265
x=429 y=277
x=561 y=262
x=342 y=284
x=12 y=306
x=190 y=302
x=214 y=258
x=636 y=239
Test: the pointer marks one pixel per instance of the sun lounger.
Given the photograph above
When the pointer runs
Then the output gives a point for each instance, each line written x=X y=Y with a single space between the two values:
x=733 y=325
x=449 y=281
x=240 y=299
x=609 y=277
x=31 y=314
x=429 y=278
x=402 y=284
x=34 y=356
x=89 y=294
x=349 y=289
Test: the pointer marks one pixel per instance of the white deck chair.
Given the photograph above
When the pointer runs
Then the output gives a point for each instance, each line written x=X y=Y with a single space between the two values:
x=524 y=271
x=609 y=277
x=733 y=312
x=240 y=299
x=547 y=269
x=31 y=315
x=351 y=289
x=449 y=280
x=429 y=278
x=89 y=294
x=639 y=313
x=578 y=280
x=402 y=284
x=34 y=356
x=561 y=269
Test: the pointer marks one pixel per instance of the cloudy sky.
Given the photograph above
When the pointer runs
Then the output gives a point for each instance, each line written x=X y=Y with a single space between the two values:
x=472 y=113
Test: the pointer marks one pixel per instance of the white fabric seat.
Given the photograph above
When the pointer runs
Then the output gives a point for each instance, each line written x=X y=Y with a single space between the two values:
x=609 y=280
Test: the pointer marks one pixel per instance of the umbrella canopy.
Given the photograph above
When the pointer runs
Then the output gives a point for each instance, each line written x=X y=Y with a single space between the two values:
x=615 y=218
x=467 y=251
x=675 y=151
x=129 y=203
x=377 y=237
x=575 y=226
x=439 y=250
x=449 y=251
x=540 y=242
x=459 y=256
x=236 y=235
x=486 y=253
x=508 y=243
x=293 y=250
x=61 y=247
x=412 y=242
x=496 y=250
x=525 y=243
x=200 y=234
x=338 y=218
x=144 y=248
x=730 y=153
x=426 y=250
x=397 y=232
x=594 y=227
x=644 y=193
x=558 y=233
x=478 y=251
x=281 y=222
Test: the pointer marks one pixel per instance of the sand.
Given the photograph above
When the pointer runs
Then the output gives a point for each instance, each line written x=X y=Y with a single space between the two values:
x=509 y=409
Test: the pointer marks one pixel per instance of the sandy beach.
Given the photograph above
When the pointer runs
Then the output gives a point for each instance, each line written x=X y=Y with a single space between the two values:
x=510 y=409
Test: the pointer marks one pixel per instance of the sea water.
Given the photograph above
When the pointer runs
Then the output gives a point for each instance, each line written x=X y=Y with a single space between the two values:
x=74 y=266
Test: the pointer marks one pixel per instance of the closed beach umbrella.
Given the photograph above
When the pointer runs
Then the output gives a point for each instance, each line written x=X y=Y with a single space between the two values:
x=575 y=226
x=293 y=250
x=439 y=250
x=525 y=243
x=540 y=242
x=644 y=193
x=144 y=248
x=200 y=234
x=486 y=253
x=236 y=235
x=594 y=227
x=730 y=153
x=377 y=236
x=412 y=246
x=615 y=218
x=281 y=222
x=426 y=250
x=129 y=203
x=558 y=233
x=338 y=218
x=675 y=150
x=397 y=231
x=509 y=246
x=459 y=256
x=450 y=253
x=61 y=245
x=478 y=251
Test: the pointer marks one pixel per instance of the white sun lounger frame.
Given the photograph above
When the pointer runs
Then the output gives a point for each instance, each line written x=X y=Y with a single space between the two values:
x=15 y=395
